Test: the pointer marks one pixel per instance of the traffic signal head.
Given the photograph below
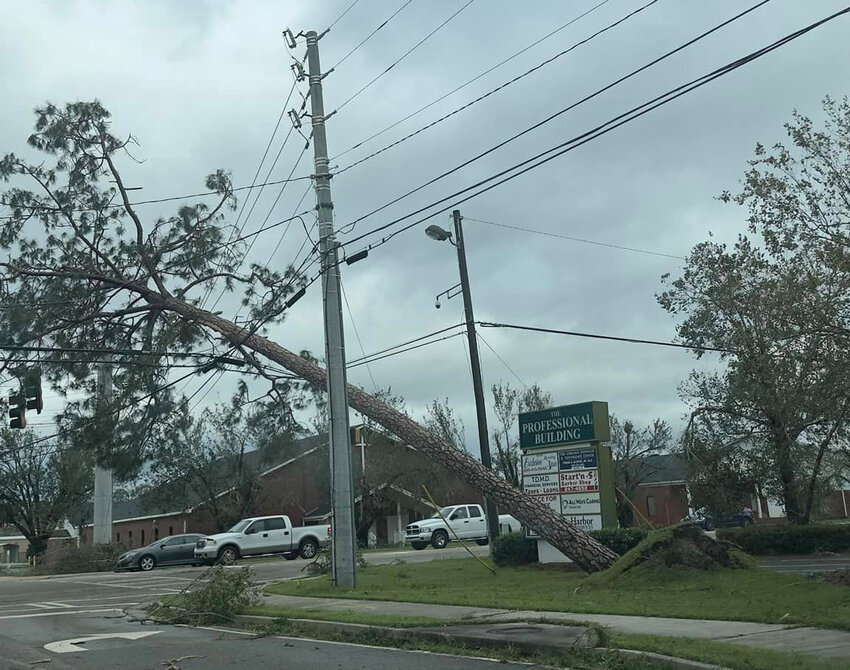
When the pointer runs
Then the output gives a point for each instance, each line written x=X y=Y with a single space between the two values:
x=17 y=411
x=32 y=391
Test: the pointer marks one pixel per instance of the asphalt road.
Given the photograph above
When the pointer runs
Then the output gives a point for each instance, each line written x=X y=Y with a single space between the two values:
x=805 y=564
x=41 y=617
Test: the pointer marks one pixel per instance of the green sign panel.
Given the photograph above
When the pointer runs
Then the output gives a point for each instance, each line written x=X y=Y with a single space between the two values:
x=583 y=422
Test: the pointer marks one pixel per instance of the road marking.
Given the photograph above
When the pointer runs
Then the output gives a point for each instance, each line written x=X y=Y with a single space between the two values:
x=62 y=613
x=125 y=586
x=66 y=646
x=52 y=604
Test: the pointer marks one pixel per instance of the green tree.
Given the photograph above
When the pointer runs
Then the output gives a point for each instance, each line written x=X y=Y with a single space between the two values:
x=40 y=484
x=78 y=242
x=775 y=306
x=508 y=402
x=632 y=448
x=219 y=457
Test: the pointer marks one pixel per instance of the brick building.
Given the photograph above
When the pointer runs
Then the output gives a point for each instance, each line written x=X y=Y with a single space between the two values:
x=662 y=497
x=388 y=488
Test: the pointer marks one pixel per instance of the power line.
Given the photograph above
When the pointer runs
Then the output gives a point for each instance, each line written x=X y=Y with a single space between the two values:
x=594 y=336
x=575 y=239
x=467 y=83
x=404 y=344
x=200 y=194
x=402 y=351
x=345 y=11
x=501 y=360
x=114 y=352
x=503 y=86
x=369 y=36
x=357 y=335
x=586 y=137
x=550 y=118
x=403 y=56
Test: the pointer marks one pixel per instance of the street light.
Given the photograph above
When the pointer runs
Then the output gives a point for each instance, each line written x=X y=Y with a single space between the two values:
x=441 y=235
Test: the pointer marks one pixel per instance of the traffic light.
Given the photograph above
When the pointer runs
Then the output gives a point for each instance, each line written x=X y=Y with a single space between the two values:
x=32 y=391
x=17 y=410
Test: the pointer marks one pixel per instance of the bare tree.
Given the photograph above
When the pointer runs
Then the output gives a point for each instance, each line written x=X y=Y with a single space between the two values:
x=632 y=449
x=508 y=403
x=40 y=484
x=124 y=286
x=441 y=420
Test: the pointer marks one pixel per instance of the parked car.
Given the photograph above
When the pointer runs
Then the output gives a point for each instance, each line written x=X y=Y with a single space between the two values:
x=466 y=522
x=262 y=535
x=172 y=550
x=702 y=518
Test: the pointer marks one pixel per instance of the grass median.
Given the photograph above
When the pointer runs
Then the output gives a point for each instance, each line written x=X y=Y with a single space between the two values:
x=733 y=595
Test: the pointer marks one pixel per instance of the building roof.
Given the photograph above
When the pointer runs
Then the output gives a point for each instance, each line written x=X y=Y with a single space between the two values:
x=149 y=506
x=665 y=469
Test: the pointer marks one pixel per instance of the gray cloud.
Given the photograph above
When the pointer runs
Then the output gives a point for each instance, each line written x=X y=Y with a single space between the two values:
x=201 y=85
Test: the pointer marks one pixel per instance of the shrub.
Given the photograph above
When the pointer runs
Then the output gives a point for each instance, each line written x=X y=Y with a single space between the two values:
x=216 y=596
x=85 y=558
x=790 y=539
x=514 y=549
x=620 y=540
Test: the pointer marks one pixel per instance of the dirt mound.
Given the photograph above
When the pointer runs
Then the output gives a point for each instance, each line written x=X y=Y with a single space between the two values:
x=683 y=546
x=838 y=577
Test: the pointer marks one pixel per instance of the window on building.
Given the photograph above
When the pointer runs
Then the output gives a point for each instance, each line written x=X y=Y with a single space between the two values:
x=117 y=537
x=143 y=537
x=156 y=532
x=650 y=505
x=171 y=530
x=130 y=538
x=474 y=512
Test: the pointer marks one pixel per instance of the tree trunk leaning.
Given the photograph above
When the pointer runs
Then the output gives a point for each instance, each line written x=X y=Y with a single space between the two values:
x=574 y=543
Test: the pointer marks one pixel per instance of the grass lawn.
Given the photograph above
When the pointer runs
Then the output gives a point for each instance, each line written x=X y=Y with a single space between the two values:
x=725 y=655
x=346 y=617
x=742 y=595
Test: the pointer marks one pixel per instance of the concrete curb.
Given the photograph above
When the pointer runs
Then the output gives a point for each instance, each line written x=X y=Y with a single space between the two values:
x=434 y=636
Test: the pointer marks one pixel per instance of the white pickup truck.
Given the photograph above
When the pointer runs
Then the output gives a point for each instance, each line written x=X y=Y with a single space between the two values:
x=262 y=535
x=466 y=522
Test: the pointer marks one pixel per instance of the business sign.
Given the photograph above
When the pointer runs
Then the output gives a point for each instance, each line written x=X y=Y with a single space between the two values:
x=537 y=464
x=580 y=503
x=577 y=459
x=586 y=523
x=540 y=484
x=584 y=422
x=553 y=500
x=579 y=481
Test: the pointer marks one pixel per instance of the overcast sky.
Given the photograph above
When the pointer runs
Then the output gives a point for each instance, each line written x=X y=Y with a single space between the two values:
x=201 y=85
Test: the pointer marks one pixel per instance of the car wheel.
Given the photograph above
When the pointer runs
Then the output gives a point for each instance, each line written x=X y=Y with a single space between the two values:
x=483 y=542
x=418 y=545
x=290 y=555
x=709 y=524
x=228 y=556
x=309 y=549
x=147 y=563
x=439 y=539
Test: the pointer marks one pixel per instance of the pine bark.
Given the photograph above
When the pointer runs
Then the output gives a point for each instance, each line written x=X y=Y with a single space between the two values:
x=574 y=543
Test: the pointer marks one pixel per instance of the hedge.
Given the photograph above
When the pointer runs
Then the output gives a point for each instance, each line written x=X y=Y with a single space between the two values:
x=85 y=558
x=516 y=549
x=790 y=539
x=620 y=540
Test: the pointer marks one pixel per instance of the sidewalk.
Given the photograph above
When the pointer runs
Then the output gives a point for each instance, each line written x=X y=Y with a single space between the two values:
x=821 y=642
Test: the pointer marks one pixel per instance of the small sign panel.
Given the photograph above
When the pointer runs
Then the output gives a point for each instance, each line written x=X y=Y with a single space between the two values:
x=541 y=484
x=553 y=500
x=586 y=522
x=580 y=503
x=577 y=459
x=538 y=464
x=579 y=481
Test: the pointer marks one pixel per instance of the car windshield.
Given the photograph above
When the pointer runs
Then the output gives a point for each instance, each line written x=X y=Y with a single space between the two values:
x=239 y=527
x=446 y=511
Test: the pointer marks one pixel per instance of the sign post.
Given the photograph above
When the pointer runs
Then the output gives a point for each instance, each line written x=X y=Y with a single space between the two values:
x=567 y=464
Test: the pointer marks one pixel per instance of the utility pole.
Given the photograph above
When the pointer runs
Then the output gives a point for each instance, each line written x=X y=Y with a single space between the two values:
x=102 y=521
x=480 y=407
x=342 y=479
